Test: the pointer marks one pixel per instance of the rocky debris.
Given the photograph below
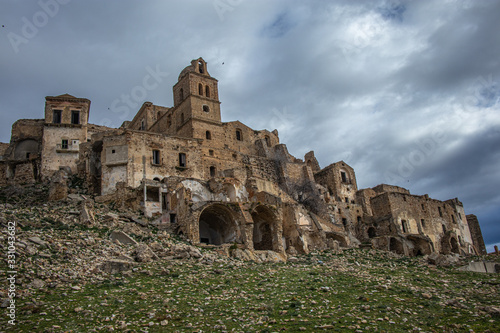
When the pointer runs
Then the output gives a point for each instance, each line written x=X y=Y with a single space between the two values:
x=143 y=253
x=184 y=251
x=443 y=260
x=86 y=215
x=58 y=189
x=121 y=237
x=37 y=240
x=114 y=266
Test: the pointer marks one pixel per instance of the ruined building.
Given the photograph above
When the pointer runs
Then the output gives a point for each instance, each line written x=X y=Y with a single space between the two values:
x=225 y=183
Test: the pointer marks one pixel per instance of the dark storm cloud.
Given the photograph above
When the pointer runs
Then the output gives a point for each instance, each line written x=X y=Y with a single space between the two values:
x=383 y=85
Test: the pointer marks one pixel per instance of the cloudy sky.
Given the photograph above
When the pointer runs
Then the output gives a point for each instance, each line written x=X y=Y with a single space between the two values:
x=406 y=92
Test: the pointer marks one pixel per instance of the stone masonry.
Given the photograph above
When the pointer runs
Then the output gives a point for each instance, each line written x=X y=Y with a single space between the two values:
x=225 y=184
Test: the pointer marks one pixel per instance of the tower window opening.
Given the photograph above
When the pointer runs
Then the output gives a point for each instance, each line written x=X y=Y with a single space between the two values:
x=75 y=117
x=181 y=94
x=440 y=212
x=207 y=91
x=343 y=175
x=57 y=116
x=182 y=160
x=200 y=89
x=422 y=222
x=212 y=171
x=208 y=135
x=206 y=108
x=200 y=68
x=182 y=118
x=268 y=141
x=239 y=137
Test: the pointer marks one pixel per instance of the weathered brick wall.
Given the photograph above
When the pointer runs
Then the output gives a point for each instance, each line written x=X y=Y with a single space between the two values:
x=477 y=236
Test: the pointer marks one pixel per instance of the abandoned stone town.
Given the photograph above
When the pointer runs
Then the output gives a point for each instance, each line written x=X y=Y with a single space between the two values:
x=223 y=183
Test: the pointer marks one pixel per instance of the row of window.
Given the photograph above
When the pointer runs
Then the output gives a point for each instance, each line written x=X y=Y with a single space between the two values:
x=156 y=159
x=57 y=117
x=201 y=91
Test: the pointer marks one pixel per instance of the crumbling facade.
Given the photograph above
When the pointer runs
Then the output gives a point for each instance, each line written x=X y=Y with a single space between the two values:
x=225 y=184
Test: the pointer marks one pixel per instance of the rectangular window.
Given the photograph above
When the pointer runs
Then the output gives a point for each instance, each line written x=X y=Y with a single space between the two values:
x=75 y=117
x=57 y=115
x=344 y=176
x=346 y=199
x=182 y=160
x=404 y=225
x=64 y=144
x=453 y=219
x=143 y=125
x=422 y=222
x=440 y=212
x=156 y=157
x=211 y=152
x=423 y=207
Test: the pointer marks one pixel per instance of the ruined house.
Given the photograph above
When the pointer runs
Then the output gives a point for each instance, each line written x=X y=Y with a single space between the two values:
x=223 y=183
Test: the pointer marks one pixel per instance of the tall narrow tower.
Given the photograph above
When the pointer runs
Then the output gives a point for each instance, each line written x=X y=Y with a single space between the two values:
x=196 y=101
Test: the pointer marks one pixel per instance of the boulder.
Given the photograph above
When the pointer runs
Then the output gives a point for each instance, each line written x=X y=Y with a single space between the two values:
x=114 y=266
x=121 y=237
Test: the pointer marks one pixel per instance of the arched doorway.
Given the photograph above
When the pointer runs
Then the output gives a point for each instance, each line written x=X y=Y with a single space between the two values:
x=217 y=225
x=454 y=245
x=263 y=228
x=372 y=232
x=396 y=246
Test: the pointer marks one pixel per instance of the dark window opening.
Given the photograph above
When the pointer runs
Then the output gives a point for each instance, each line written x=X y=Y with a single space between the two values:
x=423 y=207
x=440 y=212
x=444 y=228
x=340 y=211
x=181 y=94
x=422 y=222
x=372 y=233
x=182 y=160
x=206 y=108
x=204 y=240
x=207 y=91
x=75 y=117
x=143 y=125
x=208 y=135
x=235 y=156
x=28 y=156
x=344 y=176
x=57 y=115
x=346 y=199
x=212 y=171
x=64 y=144
x=404 y=225
x=460 y=216
x=152 y=194
x=238 y=135
x=404 y=198
x=453 y=219
x=359 y=219
x=200 y=67
x=182 y=118
x=172 y=218
x=113 y=151
x=200 y=89
x=211 y=152
x=344 y=222
x=156 y=157
x=268 y=141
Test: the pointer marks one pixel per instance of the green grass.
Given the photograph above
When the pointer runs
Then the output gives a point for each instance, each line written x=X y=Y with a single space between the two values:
x=324 y=292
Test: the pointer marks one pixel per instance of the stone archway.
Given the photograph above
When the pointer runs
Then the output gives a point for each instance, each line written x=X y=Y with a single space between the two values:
x=421 y=246
x=396 y=246
x=264 y=228
x=217 y=225
x=454 y=245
